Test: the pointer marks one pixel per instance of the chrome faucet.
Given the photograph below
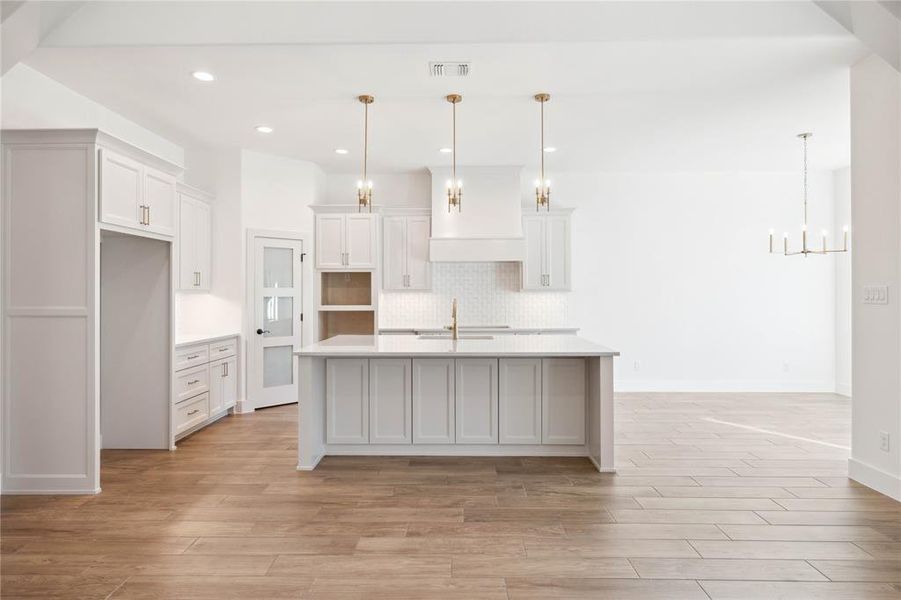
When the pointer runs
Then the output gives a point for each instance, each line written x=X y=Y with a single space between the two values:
x=453 y=326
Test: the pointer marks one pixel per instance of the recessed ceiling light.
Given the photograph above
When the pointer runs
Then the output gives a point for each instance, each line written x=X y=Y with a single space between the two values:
x=203 y=76
x=446 y=150
x=550 y=149
x=340 y=150
x=264 y=129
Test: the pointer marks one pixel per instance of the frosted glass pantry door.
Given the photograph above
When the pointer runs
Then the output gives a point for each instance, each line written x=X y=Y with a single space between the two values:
x=277 y=308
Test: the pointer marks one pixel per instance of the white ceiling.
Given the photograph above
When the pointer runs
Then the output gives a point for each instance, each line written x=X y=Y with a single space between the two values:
x=672 y=86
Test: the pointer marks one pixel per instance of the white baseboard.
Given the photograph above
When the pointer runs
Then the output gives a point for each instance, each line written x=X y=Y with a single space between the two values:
x=301 y=467
x=843 y=389
x=877 y=479
x=728 y=385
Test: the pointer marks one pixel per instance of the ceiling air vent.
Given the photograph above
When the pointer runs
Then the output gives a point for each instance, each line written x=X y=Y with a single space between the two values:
x=449 y=69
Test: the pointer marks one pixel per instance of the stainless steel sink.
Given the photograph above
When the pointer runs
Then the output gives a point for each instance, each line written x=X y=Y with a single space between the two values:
x=462 y=337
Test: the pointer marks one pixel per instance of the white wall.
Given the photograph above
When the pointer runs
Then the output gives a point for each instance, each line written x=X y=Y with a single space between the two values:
x=672 y=269
x=252 y=191
x=31 y=100
x=842 y=192
x=393 y=189
x=876 y=216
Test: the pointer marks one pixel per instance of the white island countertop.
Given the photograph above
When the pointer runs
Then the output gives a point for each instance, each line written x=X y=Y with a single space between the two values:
x=500 y=345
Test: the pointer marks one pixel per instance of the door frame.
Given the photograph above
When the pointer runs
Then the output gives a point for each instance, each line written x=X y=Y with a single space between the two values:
x=245 y=402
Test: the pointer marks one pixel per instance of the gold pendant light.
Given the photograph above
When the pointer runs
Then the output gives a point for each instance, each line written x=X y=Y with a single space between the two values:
x=804 y=251
x=454 y=185
x=542 y=185
x=364 y=185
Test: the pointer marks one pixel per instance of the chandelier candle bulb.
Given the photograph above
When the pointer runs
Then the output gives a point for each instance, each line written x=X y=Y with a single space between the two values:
x=771 y=240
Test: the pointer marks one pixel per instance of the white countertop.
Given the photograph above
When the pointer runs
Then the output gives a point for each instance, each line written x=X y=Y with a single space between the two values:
x=480 y=329
x=500 y=345
x=187 y=339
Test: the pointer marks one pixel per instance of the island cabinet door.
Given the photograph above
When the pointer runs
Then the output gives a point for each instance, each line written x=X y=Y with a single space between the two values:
x=520 y=400
x=347 y=400
x=476 y=400
x=562 y=401
x=433 y=401
x=390 y=401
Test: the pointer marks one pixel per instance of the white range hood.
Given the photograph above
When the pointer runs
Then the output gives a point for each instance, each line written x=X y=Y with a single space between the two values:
x=489 y=226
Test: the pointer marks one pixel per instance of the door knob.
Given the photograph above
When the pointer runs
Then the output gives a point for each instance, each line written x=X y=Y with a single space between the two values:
x=262 y=331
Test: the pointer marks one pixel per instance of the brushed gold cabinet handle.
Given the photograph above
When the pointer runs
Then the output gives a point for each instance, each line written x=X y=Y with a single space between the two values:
x=148 y=214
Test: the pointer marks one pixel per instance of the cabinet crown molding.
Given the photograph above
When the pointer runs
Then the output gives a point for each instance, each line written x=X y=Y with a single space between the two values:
x=342 y=209
x=89 y=136
x=194 y=192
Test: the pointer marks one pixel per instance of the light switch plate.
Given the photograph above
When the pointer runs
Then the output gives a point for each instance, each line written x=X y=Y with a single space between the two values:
x=875 y=294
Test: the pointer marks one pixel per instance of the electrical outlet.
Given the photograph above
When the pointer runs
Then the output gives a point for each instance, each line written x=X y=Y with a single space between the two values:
x=884 y=441
x=875 y=294
x=636 y=366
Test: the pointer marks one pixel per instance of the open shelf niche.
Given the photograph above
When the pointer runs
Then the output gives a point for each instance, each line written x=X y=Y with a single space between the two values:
x=346 y=303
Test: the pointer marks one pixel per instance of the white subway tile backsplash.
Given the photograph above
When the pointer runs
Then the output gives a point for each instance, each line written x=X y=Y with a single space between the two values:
x=487 y=294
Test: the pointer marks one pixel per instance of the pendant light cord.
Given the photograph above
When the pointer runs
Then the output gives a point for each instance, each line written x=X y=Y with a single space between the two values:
x=454 y=171
x=365 y=140
x=542 y=144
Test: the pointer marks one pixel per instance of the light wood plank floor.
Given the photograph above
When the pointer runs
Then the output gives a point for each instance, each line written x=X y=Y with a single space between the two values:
x=700 y=508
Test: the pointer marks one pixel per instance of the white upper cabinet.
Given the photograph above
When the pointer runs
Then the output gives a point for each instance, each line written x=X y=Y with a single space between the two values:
x=159 y=197
x=136 y=196
x=547 y=261
x=121 y=190
x=195 y=243
x=405 y=253
x=346 y=241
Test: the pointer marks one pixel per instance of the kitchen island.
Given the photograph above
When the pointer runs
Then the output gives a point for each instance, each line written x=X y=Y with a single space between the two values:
x=545 y=395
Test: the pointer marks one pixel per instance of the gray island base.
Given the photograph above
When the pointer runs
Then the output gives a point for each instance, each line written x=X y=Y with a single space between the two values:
x=548 y=395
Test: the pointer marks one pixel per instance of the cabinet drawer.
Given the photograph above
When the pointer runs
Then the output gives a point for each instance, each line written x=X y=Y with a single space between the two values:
x=191 y=412
x=191 y=356
x=190 y=382
x=223 y=349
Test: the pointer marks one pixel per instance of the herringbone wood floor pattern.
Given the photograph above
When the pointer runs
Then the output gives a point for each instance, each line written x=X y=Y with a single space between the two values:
x=700 y=508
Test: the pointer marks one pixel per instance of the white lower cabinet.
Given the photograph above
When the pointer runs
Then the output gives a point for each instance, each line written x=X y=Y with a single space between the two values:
x=347 y=400
x=433 y=401
x=390 y=401
x=475 y=396
x=519 y=403
x=206 y=384
x=563 y=401
x=223 y=384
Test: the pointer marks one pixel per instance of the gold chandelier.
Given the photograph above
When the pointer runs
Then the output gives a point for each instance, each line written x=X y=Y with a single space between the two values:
x=805 y=250
x=364 y=185
x=454 y=185
x=542 y=185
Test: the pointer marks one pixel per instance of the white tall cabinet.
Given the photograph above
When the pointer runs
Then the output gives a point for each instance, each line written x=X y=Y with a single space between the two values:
x=194 y=239
x=405 y=252
x=547 y=261
x=62 y=189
